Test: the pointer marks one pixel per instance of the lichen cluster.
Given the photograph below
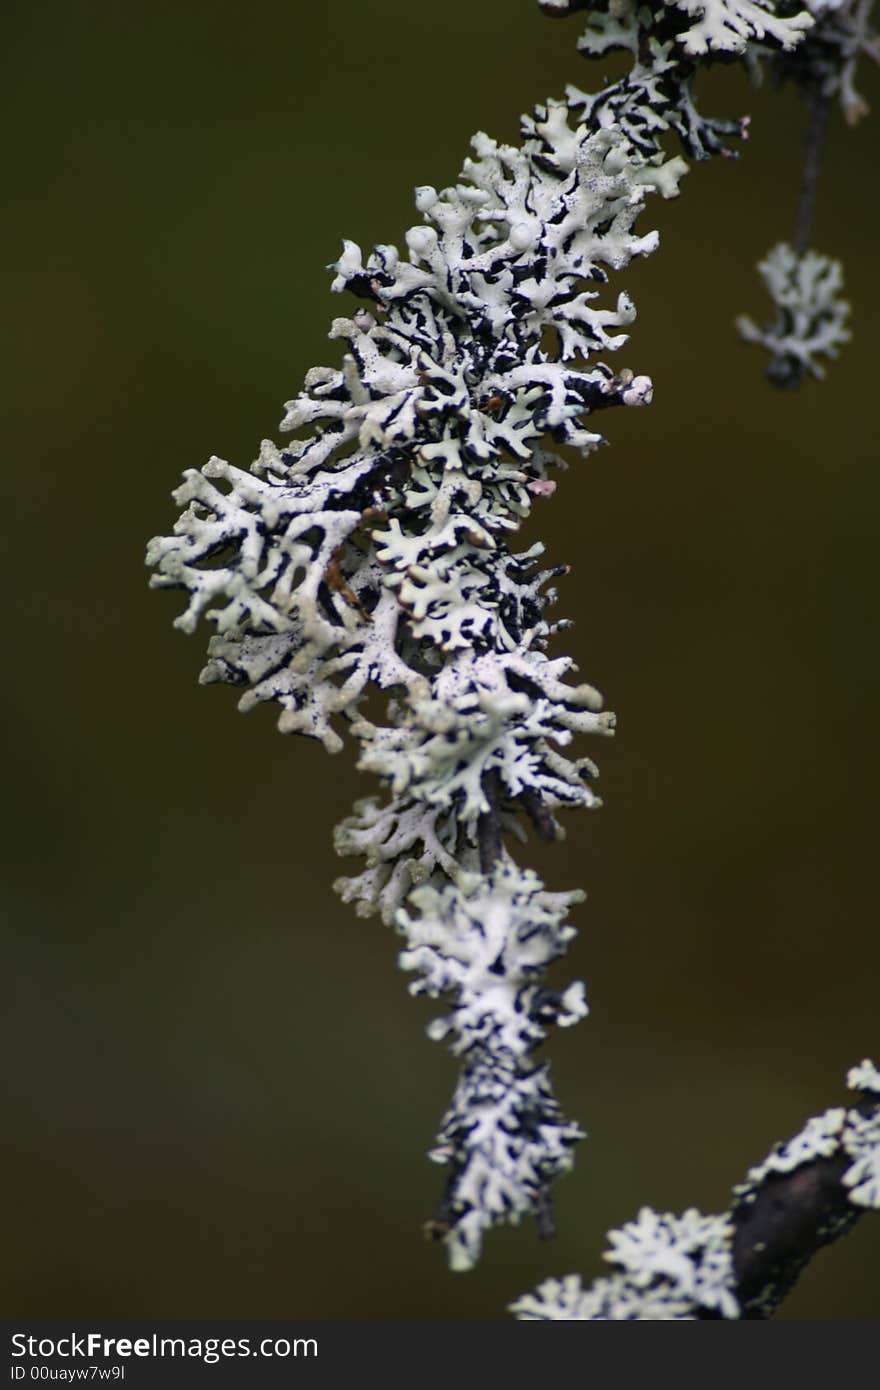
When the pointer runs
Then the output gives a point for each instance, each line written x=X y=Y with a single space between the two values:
x=377 y=551
x=670 y=1269
x=825 y=63
x=811 y=314
x=680 y=1268
x=838 y=1130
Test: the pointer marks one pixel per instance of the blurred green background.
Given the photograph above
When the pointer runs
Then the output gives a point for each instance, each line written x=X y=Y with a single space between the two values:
x=217 y=1093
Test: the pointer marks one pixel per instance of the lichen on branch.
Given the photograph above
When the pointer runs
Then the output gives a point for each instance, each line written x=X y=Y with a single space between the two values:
x=377 y=551
x=810 y=323
x=806 y=1193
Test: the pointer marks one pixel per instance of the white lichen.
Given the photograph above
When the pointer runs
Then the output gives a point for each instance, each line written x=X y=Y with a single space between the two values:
x=819 y=1138
x=864 y=1077
x=827 y=60
x=375 y=553
x=682 y=1267
x=811 y=313
x=727 y=26
x=673 y=1267
x=861 y=1140
x=484 y=945
x=840 y=1130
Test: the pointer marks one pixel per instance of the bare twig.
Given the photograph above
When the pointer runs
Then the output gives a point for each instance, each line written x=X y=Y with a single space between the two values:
x=819 y=107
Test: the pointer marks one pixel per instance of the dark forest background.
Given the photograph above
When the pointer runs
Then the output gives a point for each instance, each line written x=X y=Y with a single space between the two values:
x=217 y=1093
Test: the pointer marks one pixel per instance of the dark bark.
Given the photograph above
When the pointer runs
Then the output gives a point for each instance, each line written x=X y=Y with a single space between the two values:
x=489 y=824
x=779 y=1228
x=819 y=107
x=540 y=815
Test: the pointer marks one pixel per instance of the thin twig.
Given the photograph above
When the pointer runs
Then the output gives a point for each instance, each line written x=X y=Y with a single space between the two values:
x=787 y=371
x=539 y=814
x=819 y=106
x=489 y=824
x=544 y=1214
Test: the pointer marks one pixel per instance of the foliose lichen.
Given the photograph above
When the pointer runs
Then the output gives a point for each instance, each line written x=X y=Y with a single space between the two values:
x=376 y=551
x=811 y=314
x=671 y=1268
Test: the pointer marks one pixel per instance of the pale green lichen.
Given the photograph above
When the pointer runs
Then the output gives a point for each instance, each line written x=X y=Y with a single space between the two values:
x=672 y=1268
x=375 y=553
x=811 y=314
x=728 y=26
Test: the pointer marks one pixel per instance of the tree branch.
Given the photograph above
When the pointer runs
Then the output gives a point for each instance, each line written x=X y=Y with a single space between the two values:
x=789 y=1219
x=743 y=1262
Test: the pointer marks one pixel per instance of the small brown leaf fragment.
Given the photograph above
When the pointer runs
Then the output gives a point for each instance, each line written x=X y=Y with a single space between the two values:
x=338 y=584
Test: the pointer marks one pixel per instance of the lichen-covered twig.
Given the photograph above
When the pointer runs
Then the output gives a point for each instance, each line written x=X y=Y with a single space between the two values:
x=742 y=1263
x=811 y=316
x=377 y=550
